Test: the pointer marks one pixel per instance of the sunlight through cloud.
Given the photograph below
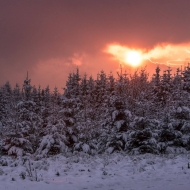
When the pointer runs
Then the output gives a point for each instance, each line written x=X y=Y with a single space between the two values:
x=168 y=54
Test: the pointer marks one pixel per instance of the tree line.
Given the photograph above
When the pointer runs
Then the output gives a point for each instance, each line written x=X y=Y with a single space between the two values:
x=124 y=113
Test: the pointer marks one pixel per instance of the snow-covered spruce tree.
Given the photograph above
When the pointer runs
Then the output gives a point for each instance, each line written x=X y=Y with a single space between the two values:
x=3 y=114
x=54 y=138
x=45 y=106
x=23 y=135
x=186 y=79
x=102 y=95
x=87 y=125
x=154 y=87
x=134 y=92
x=181 y=123
x=185 y=89
x=42 y=99
x=156 y=77
x=69 y=109
x=3 y=109
x=177 y=85
x=143 y=136
x=178 y=95
x=91 y=99
x=119 y=84
x=100 y=92
x=115 y=137
x=143 y=99
x=6 y=106
x=7 y=90
x=6 y=101
x=169 y=136
x=17 y=96
x=89 y=111
x=166 y=87
x=117 y=116
x=162 y=93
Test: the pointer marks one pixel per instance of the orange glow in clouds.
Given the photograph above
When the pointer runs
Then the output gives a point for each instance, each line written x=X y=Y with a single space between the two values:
x=125 y=55
x=167 y=54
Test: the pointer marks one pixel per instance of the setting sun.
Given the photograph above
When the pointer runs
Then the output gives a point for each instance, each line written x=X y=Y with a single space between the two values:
x=133 y=58
x=126 y=55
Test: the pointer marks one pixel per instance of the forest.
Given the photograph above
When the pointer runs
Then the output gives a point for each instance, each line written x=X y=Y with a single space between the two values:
x=134 y=113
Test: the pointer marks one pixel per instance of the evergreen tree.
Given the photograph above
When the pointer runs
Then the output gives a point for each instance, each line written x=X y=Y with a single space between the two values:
x=186 y=79
x=3 y=110
x=23 y=135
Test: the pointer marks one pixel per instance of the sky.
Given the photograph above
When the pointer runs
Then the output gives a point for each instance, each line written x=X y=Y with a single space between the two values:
x=50 y=39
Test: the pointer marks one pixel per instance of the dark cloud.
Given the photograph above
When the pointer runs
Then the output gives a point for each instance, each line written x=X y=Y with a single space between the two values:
x=34 y=31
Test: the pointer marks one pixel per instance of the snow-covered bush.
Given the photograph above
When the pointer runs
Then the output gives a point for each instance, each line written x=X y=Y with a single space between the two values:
x=186 y=128
x=142 y=141
x=52 y=143
x=86 y=147
x=17 y=146
x=183 y=112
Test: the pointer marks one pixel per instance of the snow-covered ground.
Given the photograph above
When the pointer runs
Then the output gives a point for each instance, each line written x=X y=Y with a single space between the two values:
x=106 y=172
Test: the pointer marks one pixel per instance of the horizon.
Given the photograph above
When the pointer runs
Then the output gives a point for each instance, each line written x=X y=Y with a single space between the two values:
x=131 y=73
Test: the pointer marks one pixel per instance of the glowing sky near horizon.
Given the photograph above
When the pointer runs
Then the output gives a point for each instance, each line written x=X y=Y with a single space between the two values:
x=50 y=38
x=167 y=54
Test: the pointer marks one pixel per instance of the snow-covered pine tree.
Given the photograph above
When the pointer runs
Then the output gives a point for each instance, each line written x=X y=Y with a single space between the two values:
x=23 y=135
x=143 y=136
x=45 y=106
x=70 y=108
x=186 y=78
x=16 y=94
x=156 y=77
x=143 y=100
x=54 y=138
x=87 y=126
x=3 y=109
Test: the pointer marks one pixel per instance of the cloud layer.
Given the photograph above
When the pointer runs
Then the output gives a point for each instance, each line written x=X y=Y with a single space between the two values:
x=36 y=35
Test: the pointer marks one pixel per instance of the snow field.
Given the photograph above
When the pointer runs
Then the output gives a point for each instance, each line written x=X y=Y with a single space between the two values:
x=106 y=172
